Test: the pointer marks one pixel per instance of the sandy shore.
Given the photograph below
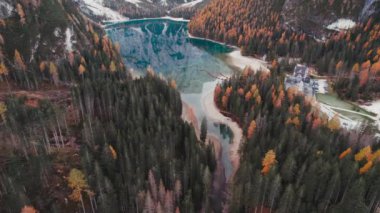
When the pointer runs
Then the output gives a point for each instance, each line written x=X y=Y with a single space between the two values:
x=213 y=114
x=235 y=58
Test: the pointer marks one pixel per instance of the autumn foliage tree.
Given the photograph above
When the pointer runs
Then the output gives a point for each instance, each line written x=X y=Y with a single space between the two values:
x=78 y=183
x=268 y=161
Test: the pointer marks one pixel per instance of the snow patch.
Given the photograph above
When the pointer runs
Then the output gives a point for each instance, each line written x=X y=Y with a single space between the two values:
x=136 y=2
x=235 y=58
x=190 y=4
x=375 y=108
x=164 y=3
x=57 y=32
x=68 y=41
x=35 y=47
x=341 y=24
x=112 y=23
x=5 y=9
x=97 y=8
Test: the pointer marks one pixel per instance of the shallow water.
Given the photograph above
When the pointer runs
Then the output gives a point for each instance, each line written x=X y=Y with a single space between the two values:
x=165 y=45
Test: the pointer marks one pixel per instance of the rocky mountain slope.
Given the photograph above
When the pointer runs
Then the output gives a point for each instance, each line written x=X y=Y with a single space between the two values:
x=42 y=30
x=107 y=9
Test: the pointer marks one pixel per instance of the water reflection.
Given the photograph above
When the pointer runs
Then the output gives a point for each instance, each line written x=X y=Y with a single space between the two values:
x=166 y=46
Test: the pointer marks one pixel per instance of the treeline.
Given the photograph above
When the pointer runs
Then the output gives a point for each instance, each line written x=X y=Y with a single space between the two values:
x=294 y=158
x=259 y=29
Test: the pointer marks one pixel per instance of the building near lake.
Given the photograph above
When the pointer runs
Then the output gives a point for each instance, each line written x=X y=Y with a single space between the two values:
x=302 y=80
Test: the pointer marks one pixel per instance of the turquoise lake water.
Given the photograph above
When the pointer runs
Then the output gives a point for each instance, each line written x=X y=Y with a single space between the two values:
x=165 y=45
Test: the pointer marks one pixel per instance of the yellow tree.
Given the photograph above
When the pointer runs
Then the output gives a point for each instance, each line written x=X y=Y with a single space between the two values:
x=375 y=68
x=81 y=69
x=345 y=153
x=78 y=183
x=3 y=69
x=251 y=129
x=19 y=62
x=366 y=167
x=268 y=161
x=356 y=68
x=42 y=66
x=365 y=152
x=173 y=84
x=112 y=67
x=339 y=66
x=296 y=109
x=53 y=72
x=113 y=152
x=375 y=156
x=334 y=123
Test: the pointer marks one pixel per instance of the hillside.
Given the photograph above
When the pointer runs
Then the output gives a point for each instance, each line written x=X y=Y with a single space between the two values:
x=276 y=30
x=311 y=17
x=294 y=158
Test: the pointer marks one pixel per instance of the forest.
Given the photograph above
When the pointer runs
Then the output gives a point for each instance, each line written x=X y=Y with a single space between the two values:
x=78 y=133
x=294 y=158
x=258 y=27
x=104 y=152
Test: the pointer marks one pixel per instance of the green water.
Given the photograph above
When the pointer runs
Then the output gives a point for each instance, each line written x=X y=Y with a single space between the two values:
x=166 y=46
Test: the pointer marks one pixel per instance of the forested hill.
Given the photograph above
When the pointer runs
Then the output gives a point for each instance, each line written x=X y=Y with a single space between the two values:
x=78 y=134
x=294 y=158
x=261 y=28
x=223 y=17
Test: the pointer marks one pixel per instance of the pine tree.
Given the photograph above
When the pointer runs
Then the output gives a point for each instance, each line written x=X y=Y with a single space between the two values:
x=203 y=134
x=353 y=201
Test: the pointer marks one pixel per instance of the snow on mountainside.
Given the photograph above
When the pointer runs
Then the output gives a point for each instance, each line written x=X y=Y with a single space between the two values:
x=190 y=4
x=96 y=8
x=119 y=9
x=341 y=24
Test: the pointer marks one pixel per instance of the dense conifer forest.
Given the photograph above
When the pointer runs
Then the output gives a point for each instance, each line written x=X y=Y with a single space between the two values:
x=80 y=133
x=294 y=158
x=86 y=136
